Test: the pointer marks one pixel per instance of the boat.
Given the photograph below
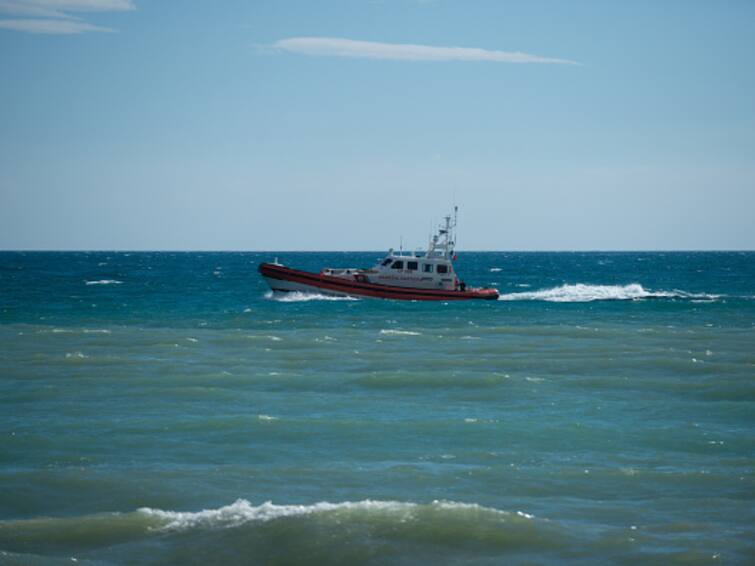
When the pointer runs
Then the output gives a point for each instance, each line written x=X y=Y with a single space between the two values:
x=410 y=276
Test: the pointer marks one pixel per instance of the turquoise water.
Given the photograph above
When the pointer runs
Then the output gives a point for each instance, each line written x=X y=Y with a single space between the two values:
x=164 y=408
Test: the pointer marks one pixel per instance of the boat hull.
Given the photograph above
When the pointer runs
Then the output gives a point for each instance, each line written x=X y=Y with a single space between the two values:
x=284 y=286
x=285 y=279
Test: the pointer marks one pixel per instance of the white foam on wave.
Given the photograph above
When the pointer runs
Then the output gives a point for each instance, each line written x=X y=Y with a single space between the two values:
x=267 y=418
x=299 y=297
x=582 y=293
x=74 y=331
x=76 y=355
x=242 y=511
x=104 y=282
x=495 y=269
x=391 y=332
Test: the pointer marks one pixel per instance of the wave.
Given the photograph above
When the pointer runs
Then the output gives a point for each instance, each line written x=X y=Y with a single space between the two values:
x=583 y=293
x=242 y=511
x=243 y=532
x=428 y=380
x=76 y=355
x=267 y=417
x=75 y=331
x=391 y=332
x=105 y=282
x=298 y=297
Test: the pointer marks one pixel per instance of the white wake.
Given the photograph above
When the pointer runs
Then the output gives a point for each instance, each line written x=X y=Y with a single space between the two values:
x=583 y=293
x=299 y=297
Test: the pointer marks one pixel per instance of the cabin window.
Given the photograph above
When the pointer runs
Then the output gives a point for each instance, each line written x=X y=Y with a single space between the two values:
x=397 y=265
x=442 y=268
x=386 y=262
x=427 y=268
x=412 y=265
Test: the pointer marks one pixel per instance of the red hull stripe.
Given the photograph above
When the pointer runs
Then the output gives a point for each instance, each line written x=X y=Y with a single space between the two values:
x=370 y=289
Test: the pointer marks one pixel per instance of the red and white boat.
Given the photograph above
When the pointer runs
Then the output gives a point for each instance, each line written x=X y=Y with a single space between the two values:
x=414 y=276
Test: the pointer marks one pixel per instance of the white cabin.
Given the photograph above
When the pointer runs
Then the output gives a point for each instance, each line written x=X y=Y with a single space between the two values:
x=429 y=270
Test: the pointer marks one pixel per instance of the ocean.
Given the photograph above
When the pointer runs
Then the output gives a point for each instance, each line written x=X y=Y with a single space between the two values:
x=165 y=408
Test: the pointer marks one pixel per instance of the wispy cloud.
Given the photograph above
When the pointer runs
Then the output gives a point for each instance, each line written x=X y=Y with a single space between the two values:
x=57 y=16
x=340 y=47
x=61 y=26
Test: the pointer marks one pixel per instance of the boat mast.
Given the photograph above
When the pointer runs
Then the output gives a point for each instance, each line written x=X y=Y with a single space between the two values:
x=442 y=244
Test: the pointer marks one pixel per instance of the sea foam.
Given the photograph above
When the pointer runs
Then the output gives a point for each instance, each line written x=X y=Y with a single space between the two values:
x=299 y=297
x=582 y=293
x=104 y=282
x=242 y=511
x=391 y=332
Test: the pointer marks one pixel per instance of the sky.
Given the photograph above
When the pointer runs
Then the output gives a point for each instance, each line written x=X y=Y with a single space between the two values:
x=357 y=124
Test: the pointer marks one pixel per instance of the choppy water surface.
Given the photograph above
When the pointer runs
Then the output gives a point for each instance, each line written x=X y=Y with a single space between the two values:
x=164 y=408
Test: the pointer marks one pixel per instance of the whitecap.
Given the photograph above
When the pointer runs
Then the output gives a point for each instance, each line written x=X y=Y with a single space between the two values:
x=76 y=355
x=264 y=337
x=267 y=418
x=495 y=269
x=242 y=511
x=391 y=332
x=104 y=282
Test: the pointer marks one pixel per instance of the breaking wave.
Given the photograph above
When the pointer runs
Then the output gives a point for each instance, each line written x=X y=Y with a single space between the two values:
x=391 y=332
x=242 y=511
x=246 y=533
x=104 y=282
x=299 y=297
x=582 y=293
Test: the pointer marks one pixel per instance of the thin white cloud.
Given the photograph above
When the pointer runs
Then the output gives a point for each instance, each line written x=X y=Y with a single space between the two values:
x=340 y=47
x=57 y=16
x=54 y=26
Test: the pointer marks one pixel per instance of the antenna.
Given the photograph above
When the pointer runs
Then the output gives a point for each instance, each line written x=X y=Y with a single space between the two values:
x=456 y=214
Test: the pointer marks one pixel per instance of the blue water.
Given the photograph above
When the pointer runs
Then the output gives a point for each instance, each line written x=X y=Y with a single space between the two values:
x=160 y=408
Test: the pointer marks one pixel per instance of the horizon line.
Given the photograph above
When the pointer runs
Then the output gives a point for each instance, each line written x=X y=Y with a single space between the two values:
x=167 y=250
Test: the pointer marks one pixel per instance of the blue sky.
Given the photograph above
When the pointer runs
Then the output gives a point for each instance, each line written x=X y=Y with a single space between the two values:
x=137 y=124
